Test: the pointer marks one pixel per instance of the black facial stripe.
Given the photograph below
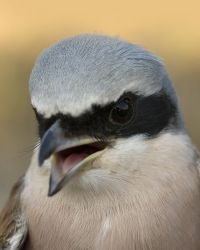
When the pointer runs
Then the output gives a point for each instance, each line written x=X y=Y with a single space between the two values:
x=152 y=114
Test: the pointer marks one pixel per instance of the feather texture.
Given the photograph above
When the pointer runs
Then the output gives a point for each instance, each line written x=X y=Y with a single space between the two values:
x=13 y=228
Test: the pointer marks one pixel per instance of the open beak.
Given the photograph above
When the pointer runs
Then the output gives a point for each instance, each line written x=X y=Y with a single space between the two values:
x=69 y=155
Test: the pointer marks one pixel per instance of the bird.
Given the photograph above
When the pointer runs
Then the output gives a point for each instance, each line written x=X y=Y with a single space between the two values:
x=115 y=168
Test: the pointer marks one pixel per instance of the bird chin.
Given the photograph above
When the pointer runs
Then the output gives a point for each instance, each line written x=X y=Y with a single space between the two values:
x=70 y=162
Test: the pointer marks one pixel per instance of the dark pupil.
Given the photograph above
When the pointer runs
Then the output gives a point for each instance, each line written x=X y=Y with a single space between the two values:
x=122 y=108
x=121 y=113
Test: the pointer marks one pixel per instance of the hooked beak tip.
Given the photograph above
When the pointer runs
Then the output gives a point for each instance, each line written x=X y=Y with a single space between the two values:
x=49 y=143
x=40 y=160
x=43 y=155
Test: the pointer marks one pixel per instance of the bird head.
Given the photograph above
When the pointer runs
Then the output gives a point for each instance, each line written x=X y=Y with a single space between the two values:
x=99 y=102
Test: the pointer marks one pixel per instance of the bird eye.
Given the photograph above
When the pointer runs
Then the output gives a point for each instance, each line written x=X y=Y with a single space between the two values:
x=122 y=112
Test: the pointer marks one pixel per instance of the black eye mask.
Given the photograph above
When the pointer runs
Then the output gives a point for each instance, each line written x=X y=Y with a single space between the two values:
x=131 y=114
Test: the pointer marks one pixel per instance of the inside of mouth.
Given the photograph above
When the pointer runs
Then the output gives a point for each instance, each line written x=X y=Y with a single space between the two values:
x=68 y=158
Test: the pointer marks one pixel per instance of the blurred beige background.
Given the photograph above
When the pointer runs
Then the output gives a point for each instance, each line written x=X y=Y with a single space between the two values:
x=170 y=29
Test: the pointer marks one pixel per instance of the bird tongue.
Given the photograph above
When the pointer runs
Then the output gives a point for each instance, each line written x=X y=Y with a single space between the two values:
x=69 y=158
x=64 y=163
x=72 y=160
x=68 y=161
